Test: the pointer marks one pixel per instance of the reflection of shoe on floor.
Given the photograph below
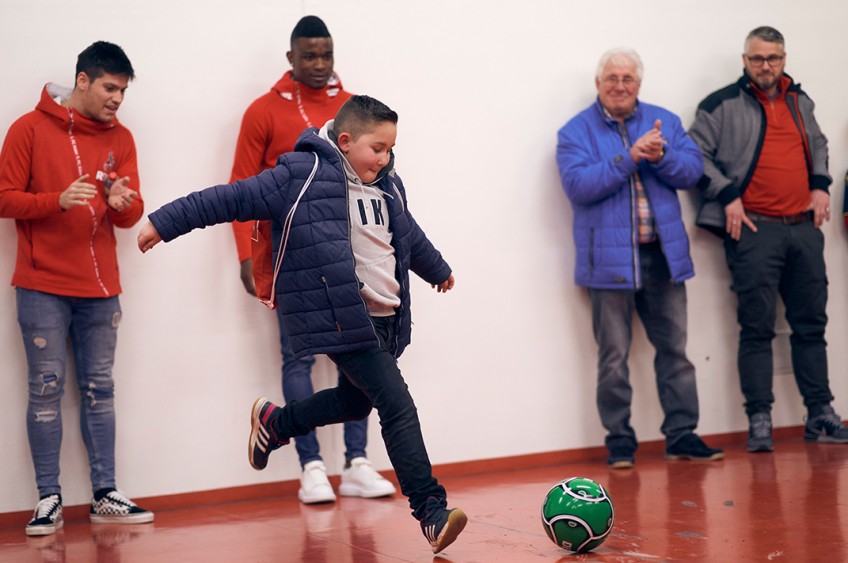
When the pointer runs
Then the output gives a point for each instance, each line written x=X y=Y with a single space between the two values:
x=110 y=506
x=314 y=485
x=361 y=480
x=50 y=548
x=439 y=525
x=826 y=428
x=47 y=517
x=113 y=535
x=759 y=433
x=318 y=519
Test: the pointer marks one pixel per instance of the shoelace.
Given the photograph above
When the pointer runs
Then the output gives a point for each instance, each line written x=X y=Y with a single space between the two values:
x=761 y=428
x=118 y=498
x=46 y=506
x=287 y=225
x=831 y=422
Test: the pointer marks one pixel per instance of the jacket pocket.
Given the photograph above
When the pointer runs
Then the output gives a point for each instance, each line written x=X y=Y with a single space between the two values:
x=331 y=303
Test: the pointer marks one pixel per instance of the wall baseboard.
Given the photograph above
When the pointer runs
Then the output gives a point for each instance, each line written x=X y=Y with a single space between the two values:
x=459 y=469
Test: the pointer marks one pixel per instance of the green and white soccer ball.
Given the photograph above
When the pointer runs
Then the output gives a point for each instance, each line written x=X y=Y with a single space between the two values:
x=577 y=514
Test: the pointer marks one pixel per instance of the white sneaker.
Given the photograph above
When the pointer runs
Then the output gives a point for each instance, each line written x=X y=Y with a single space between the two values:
x=314 y=485
x=361 y=480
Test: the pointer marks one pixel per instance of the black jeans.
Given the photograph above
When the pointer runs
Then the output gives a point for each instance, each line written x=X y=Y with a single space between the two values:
x=372 y=378
x=785 y=260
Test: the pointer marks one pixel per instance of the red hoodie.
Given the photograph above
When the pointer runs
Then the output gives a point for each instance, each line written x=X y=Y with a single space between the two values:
x=271 y=126
x=69 y=252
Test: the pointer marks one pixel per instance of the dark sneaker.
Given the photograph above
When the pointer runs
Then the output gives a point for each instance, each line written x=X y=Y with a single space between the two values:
x=826 y=428
x=47 y=517
x=114 y=508
x=620 y=457
x=759 y=433
x=439 y=525
x=693 y=448
x=263 y=439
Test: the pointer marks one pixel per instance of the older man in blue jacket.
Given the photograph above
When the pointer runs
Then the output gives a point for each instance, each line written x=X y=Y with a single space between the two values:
x=621 y=162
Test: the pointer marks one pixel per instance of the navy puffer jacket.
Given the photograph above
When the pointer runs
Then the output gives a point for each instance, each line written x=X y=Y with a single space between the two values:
x=317 y=290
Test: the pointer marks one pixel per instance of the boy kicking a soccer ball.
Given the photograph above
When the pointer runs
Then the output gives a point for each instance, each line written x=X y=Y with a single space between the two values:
x=344 y=242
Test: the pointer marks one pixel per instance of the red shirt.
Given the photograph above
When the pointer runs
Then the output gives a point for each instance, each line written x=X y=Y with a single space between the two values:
x=271 y=126
x=780 y=184
x=71 y=252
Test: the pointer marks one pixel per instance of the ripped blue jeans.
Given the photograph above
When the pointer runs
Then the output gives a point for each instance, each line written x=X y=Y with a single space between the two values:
x=47 y=321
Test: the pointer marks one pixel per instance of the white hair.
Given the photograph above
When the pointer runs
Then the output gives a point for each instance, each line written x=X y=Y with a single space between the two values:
x=621 y=55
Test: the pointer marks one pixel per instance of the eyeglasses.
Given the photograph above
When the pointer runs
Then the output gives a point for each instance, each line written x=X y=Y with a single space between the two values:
x=772 y=60
x=627 y=81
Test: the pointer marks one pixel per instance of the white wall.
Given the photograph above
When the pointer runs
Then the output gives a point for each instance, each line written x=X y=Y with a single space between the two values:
x=503 y=365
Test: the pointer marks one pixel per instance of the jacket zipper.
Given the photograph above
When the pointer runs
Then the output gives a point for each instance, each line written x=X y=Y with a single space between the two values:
x=795 y=112
x=634 y=243
x=94 y=223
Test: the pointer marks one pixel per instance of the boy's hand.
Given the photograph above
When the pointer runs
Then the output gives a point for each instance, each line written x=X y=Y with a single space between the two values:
x=445 y=286
x=148 y=237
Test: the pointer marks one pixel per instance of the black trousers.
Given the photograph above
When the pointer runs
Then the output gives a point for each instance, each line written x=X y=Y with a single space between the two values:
x=372 y=379
x=784 y=260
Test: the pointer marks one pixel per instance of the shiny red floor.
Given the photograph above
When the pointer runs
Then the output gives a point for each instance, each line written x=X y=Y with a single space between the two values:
x=785 y=506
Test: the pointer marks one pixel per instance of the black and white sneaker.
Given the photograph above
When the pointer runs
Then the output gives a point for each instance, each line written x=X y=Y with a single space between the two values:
x=263 y=440
x=439 y=525
x=114 y=508
x=47 y=517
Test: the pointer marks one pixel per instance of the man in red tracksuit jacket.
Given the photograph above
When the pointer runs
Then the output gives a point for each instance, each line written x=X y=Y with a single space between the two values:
x=68 y=176
x=308 y=95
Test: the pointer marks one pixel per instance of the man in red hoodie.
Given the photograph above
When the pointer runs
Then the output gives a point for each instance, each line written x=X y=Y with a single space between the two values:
x=68 y=176
x=308 y=95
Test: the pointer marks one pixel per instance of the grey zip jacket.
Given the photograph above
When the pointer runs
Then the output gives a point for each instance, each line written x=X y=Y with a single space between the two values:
x=729 y=128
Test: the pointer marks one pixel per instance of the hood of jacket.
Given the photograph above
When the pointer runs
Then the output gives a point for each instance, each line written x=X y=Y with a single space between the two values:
x=289 y=88
x=324 y=140
x=52 y=98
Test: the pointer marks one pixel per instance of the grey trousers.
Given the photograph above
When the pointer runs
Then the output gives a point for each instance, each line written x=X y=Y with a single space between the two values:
x=661 y=305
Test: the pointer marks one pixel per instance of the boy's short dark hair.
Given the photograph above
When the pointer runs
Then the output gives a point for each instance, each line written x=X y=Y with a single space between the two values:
x=309 y=26
x=101 y=57
x=360 y=113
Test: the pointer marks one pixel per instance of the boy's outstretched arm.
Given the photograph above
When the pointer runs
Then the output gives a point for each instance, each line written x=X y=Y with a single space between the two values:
x=445 y=286
x=148 y=237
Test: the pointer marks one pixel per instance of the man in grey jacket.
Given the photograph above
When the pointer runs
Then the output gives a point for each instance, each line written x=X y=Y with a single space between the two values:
x=765 y=186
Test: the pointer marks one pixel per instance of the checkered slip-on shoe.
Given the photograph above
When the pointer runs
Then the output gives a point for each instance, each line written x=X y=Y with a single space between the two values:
x=115 y=508
x=47 y=517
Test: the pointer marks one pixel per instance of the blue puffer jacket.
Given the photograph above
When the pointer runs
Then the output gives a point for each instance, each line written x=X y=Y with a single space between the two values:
x=317 y=290
x=595 y=168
